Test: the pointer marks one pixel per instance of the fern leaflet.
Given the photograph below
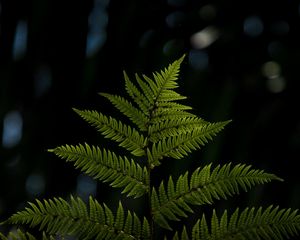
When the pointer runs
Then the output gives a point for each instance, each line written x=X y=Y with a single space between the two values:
x=106 y=166
x=149 y=94
x=251 y=224
x=20 y=235
x=134 y=114
x=165 y=80
x=128 y=137
x=169 y=114
x=76 y=219
x=174 y=127
x=204 y=186
x=136 y=95
x=179 y=146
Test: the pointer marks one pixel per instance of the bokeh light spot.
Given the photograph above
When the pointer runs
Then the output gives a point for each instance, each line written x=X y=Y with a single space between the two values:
x=35 y=184
x=86 y=186
x=20 y=40
x=98 y=20
x=271 y=69
x=12 y=129
x=198 y=60
x=205 y=37
x=276 y=85
x=253 y=26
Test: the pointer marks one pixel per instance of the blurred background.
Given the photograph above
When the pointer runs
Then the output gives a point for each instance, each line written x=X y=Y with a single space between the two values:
x=242 y=63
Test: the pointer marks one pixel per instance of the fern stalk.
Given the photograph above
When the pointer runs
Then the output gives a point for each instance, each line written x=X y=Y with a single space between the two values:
x=166 y=77
x=149 y=168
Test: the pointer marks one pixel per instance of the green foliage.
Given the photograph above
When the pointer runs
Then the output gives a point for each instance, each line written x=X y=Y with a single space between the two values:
x=20 y=235
x=251 y=223
x=57 y=216
x=204 y=186
x=163 y=129
x=106 y=166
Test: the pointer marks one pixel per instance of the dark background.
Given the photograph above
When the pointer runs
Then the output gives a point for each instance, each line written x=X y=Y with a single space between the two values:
x=242 y=64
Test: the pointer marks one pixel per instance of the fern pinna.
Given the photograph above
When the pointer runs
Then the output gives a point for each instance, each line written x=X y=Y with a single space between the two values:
x=162 y=128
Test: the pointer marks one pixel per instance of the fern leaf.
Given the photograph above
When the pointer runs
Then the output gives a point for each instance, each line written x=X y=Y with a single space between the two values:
x=126 y=136
x=155 y=100
x=169 y=111
x=146 y=90
x=134 y=114
x=136 y=95
x=74 y=218
x=203 y=187
x=18 y=235
x=167 y=105
x=106 y=166
x=166 y=79
x=169 y=96
x=253 y=224
x=160 y=88
x=179 y=146
x=184 y=235
x=170 y=114
x=174 y=127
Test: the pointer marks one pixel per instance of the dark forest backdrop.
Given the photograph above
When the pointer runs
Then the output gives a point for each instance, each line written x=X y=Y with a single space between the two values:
x=242 y=64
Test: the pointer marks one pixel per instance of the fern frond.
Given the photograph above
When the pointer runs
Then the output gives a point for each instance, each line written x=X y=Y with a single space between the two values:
x=20 y=235
x=159 y=89
x=204 y=186
x=162 y=84
x=183 y=236
x=125 y=107
x=179 y=146
x=174 y=127
x=127 y=137
x=155 y=100
x=106 y=166
x=74 y=218
x=149 y=94
x=252 y=224
x=166 y=79
x=136 y=95
x=161 y=92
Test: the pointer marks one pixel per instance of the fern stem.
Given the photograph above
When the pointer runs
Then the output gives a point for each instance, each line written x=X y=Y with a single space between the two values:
x=149 y=202
x=149 y=168
x=151 y=223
